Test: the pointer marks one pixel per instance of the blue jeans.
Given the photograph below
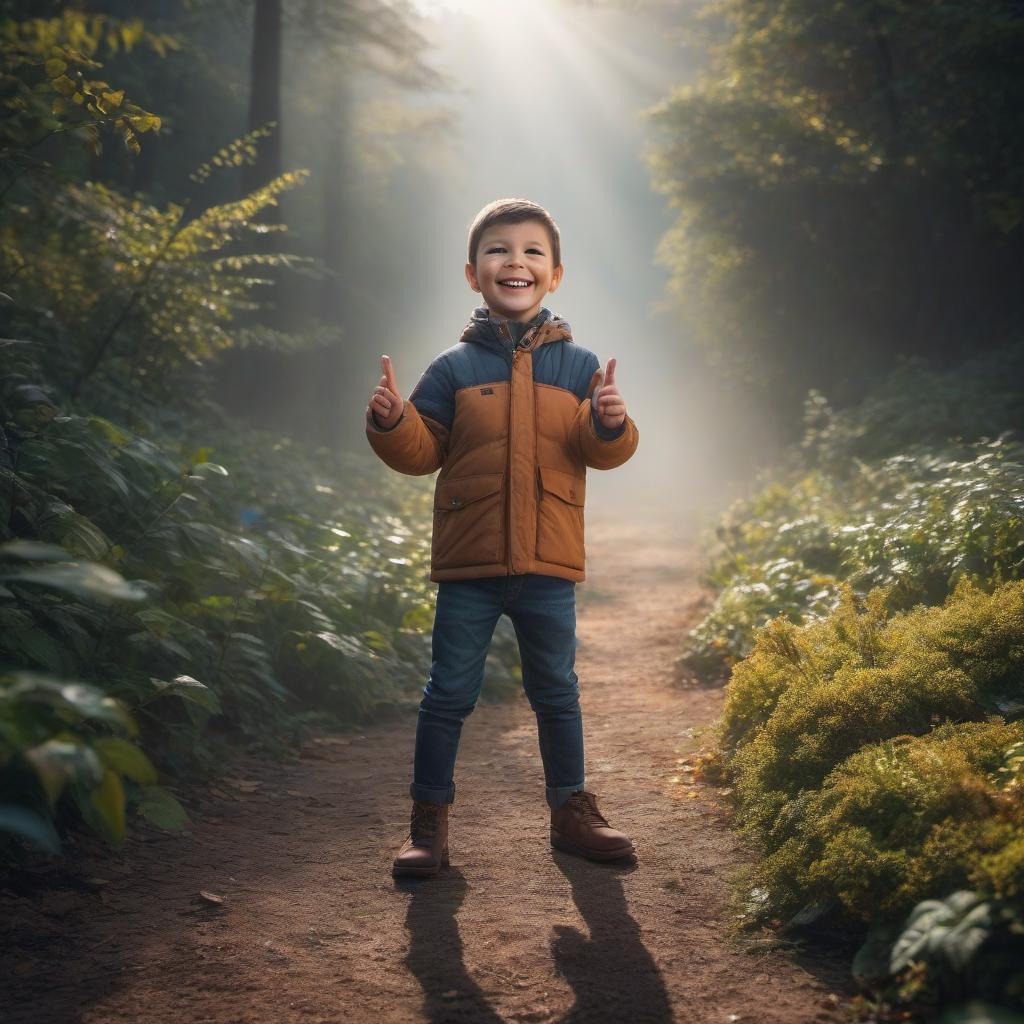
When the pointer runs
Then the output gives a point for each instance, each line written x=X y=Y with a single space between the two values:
x=543 y=612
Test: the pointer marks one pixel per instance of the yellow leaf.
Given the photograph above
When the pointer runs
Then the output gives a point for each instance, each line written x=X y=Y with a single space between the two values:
x=145 y=122
x=64 y=86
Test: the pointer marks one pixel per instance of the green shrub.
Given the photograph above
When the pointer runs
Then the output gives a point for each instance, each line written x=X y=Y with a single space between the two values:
x=966 y=945
x=872 y=500
x=917 y=404
x=809 y=698
x=277 y=585
x=892 y=824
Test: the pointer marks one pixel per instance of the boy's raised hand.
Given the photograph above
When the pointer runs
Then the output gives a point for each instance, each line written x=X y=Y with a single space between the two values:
x=610 y=406
x=386 y=404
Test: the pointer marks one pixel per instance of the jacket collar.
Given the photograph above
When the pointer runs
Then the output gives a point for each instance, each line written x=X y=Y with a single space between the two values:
x=489 y=331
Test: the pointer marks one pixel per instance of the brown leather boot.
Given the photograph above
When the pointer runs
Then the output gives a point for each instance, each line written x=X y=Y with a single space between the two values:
x=425 y=852
x=579 y=827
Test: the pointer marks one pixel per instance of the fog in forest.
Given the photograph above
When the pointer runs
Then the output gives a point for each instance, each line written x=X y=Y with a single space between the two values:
x=545 y=102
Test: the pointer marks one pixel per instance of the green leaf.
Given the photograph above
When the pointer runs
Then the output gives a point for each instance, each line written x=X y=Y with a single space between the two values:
x=126 y=758
x=38 y=647
x=76 y=700
x=20 y=821
x=34 y=550
x=113 y=433
x=108 y=801
x=188 y=689
x=871 y=963
x=61 y=760
x=82 y=579
x=84 y=538
x=161 y=807
x=204 y=468
x=950 y=930
x=376 y=640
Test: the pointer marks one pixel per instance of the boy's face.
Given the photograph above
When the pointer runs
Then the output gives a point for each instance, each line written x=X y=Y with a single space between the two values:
x=509 y=253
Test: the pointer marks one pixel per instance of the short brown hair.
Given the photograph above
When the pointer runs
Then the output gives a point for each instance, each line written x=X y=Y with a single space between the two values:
x=514 y=211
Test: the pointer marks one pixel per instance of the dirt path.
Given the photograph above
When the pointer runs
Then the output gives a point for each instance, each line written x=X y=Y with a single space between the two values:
x=313 y=928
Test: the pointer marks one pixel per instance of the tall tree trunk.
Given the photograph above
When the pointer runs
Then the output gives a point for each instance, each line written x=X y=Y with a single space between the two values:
x=265 y=93
x=334 y=179
x=245 y=374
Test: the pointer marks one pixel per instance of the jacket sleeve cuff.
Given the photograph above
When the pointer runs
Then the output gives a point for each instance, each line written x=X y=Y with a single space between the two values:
x=603 y=432
x=372 y=424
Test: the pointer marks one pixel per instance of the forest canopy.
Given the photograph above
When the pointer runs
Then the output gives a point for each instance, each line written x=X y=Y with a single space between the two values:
x=849 y=179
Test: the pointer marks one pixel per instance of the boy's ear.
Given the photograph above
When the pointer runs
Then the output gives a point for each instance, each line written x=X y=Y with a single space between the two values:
x=471 y=277
x=556 y=277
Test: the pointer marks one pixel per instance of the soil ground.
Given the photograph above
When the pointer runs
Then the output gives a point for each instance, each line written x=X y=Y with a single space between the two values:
x=313 y=928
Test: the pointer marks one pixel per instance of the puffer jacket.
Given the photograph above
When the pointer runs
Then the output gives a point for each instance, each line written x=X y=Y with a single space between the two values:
x=513 y=432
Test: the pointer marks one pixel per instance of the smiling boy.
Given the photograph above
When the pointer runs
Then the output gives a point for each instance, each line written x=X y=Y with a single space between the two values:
x=513 y=414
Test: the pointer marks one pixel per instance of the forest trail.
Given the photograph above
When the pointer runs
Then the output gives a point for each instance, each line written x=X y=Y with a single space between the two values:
x=314 y=929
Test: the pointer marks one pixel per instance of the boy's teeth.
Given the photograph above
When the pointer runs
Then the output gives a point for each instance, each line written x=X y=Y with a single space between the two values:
x=516 y=284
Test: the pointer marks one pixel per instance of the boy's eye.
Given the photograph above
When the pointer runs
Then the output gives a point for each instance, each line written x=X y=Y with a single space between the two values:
x=501 y=248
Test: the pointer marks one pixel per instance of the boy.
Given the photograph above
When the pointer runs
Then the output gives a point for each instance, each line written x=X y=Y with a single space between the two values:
x=513 y=414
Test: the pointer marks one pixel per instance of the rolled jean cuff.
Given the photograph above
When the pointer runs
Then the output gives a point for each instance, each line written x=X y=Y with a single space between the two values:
x=557 y=795
x=433 y=794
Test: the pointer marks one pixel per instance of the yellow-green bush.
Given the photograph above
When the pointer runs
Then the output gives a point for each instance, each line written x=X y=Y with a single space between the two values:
x=807 y=698
x=869 y=753
x=897 y=822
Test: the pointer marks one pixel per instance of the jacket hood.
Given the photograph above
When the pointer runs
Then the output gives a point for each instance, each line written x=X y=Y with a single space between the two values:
x=489 y=331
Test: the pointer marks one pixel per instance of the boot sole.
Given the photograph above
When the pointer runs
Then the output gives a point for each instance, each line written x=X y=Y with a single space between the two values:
x=559 y=842
x=398 y=871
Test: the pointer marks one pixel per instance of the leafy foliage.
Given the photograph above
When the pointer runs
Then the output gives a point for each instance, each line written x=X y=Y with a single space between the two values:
x=160 y=294
x=46 y=85
x=915 y=521
x=204 y=598
x=56 y=742
x=840 y=198
x=875 y=760
x=965 y=944
x=808 y=698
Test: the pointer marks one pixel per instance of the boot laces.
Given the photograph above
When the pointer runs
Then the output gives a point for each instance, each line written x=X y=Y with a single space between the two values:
x=586 y=804
x=424 y=823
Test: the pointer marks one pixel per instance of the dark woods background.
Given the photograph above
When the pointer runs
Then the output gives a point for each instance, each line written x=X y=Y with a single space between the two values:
x=800 y=227
x=847 y=178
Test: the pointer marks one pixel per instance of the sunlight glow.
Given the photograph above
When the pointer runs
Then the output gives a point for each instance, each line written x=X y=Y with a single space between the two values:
x=432 y=8
x=482 y=10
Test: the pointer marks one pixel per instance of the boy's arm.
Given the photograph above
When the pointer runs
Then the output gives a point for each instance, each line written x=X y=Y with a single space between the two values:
x=418 y=443
x=596 y=445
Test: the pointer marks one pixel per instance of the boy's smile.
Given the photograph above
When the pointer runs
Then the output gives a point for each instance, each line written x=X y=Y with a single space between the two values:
x=513 y=269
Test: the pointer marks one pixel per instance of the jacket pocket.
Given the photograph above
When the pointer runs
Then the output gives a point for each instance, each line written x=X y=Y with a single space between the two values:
x=467 y=521
x=560 y=522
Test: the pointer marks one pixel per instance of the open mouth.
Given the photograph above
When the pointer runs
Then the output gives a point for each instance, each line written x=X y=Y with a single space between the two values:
x=516 y=283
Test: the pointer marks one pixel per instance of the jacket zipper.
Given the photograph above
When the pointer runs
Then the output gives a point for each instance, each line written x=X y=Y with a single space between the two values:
x=508 y=464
